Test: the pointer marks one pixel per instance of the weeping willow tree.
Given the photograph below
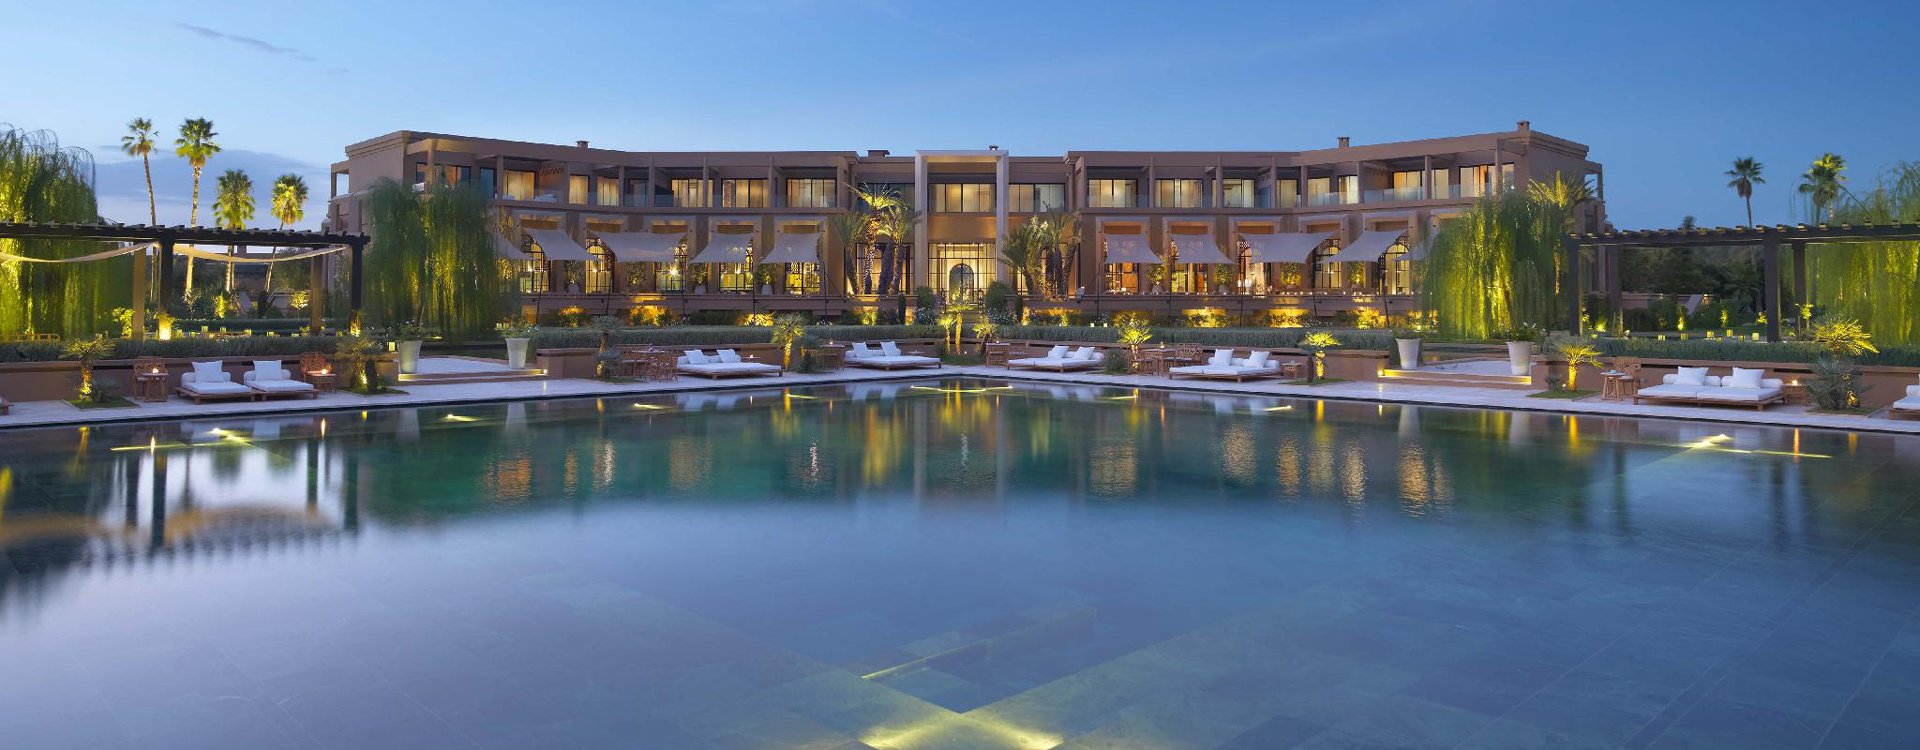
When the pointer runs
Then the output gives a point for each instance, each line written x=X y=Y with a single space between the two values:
x=1495 y=267
x=41 y=181
x=1875 y=283
x=432 y=259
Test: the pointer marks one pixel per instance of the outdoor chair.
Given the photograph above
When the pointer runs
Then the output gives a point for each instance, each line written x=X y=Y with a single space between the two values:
x=209 y=381
x=268 y=378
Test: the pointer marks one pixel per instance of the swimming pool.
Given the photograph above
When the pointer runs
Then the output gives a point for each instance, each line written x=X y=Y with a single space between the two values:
x=956 y=563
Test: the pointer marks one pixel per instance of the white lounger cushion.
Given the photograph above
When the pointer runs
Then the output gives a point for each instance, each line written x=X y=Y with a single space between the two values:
x=280 y=386
x=1690 y=376
x=214 y=388
x=1221 y=358
x=1054 y=364
x=729 y=356
x=206 y=372
x=1671 y=390
x=1057 y=352
x=860 y=350
x=1911 y=402
x=890 y=349
x=1743 y=378
x=1736 y=394
x=694 y=357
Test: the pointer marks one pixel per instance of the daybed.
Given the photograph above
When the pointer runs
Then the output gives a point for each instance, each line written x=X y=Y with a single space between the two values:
x=889 y=357
x=1224 y=366
x=208 y=381
x=721 y=364
x=268 y=378
x=1905 y=407
x=1692 y=385
x=1059 y=359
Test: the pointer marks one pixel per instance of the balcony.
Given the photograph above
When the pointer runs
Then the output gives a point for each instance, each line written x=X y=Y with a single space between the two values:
x=1328 y=199
x=1394 y=195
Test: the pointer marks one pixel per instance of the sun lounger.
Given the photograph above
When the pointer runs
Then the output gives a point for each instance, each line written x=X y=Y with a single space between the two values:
x=1905 y=407
x=1060 y=359
x=208 y=381
x=1224 y=366
x=268 y=378
x=1692 y=385
x=725 y=363
x=888 y=358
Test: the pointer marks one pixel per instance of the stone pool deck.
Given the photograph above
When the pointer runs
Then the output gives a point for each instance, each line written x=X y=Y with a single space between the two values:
x=54 y=413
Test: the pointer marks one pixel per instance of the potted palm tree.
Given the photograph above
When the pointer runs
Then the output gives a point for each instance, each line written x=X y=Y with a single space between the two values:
x=518 y=333
x=1520 y=340
x=787 y=331
x=407 y=338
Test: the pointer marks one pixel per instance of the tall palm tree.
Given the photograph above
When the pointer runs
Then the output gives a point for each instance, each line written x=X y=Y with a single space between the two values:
x=289 y=206
x=1745 y=174
x=233 y=208
x=196 y=145
x=1822 y=183
x=139 y=142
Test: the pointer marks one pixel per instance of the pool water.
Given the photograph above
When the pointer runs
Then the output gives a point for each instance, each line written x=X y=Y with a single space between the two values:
x=956 y=564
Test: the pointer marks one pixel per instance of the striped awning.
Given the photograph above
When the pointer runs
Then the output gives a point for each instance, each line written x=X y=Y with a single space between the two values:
x=1198 y=248
x=1284 y=247
x=642 y=247
x=556 y=245
x=1130 y=248
x=794 y=247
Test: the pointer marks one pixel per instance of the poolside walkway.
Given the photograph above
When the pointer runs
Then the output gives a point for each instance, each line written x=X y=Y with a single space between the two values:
x=50 y=413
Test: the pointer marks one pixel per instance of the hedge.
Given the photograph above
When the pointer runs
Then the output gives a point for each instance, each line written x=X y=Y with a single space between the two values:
x=1252 y=338
x=236 y=346
x=1741 y=350
x=578 y=338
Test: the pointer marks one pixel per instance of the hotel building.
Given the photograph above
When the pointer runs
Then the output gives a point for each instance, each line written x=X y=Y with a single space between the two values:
x=1318 y=231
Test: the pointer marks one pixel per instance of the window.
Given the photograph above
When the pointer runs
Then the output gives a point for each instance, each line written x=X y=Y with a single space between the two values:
x=1237 y=193
x=800 y=278
x=901 y=189
x=442 y=174
x=1478 y=181
x=1332 y=191
x=810 y=193
x=1406 y=186
x=577 y=188
x=1036 y=198
x=1123 y=278
x=532 y=274
x=962 y=198
x=519 y=185
x=636 y=192
x=606 y=191
x=689 y=192
x=1326 y=273
x=743 y=193
x=1178 y=193
x=1396 y=270
x=489 y=180
x=1113 y=193
x=1443 y=184
x=1289 y=192
x=961 y=269
x=599 y=271
x=669 y=277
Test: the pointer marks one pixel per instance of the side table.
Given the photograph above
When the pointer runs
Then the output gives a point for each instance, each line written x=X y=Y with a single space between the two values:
x=150 y=386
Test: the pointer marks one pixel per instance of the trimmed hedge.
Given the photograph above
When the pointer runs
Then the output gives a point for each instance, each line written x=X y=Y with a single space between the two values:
x=237 y=346
x=1739 y=350
x=1251 y=338
x=583 y=338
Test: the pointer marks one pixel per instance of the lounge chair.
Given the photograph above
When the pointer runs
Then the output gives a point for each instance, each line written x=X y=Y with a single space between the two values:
x=1692 y=385
x=1060 y=359
x=268 y=378
x=888 y=358
x=207 y=380
x=724 y=363
x=1906 y=407
x=1224 y=366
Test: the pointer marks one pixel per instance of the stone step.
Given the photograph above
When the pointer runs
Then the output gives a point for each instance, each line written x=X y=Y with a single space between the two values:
x=476 y=376
x=1467 y=379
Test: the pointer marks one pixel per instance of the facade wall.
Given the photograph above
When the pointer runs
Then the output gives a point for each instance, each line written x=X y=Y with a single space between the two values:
x=970 y=200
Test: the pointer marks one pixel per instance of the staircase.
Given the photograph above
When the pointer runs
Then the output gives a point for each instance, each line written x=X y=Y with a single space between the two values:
x=1470 y=373
x=450 y=370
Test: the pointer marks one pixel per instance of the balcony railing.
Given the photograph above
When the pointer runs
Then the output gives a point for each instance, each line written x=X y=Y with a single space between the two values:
x=1328 y=199
x=1392 y=195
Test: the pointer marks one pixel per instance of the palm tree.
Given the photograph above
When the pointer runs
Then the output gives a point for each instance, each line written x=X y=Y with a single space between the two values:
x=1745 y=174
x=196 y=145
x=1822 y=183
x=139 y=142
x=852 y=228
x=289 y=206
x=1024 y=249
x=233 y=208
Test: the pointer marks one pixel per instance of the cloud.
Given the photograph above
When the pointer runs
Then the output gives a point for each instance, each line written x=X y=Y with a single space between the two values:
x=258 y=45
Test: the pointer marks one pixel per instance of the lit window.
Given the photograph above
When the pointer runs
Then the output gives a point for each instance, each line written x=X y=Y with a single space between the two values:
x=1112 y=193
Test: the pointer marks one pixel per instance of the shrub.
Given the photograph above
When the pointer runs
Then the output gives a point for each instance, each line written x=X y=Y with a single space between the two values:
x=994 y=300
x=1115 y=362
x=1835 y=384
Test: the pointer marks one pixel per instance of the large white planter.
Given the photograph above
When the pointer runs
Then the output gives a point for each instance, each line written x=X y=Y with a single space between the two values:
x=409 y=352
x=517 y=352
x=1520 y=357
x=1409 y=353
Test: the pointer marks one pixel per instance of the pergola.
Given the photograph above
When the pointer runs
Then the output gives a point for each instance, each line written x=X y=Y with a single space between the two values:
x=1610 y=246
x=165 y=240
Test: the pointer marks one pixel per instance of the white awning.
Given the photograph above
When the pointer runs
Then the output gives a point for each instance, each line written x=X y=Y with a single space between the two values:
x=556 y=245
x=506 y=248
x=642 y=247
x=1369 y=246
x=725 y=247
x=794 y=247
x=1129 y=248
x=1284 y=247
x=1198 y=248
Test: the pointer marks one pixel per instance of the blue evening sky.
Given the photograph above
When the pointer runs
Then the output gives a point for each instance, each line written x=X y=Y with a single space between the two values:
x=1665 y=93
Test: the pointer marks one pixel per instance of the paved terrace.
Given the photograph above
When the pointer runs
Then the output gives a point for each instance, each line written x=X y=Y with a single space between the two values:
x=50 y=413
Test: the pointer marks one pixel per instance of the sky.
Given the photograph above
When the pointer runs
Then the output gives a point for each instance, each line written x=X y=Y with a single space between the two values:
x=1666 y=94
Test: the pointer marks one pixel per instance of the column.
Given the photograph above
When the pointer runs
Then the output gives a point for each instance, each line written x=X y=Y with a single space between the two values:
x=165 y=287
x=1800 y=273
x=316 y=292
x=1572 y=286
x=1771 y=286
x=918 y=267
x=1615 y=320
x=354 y=286
x=138 y=300
x=1001 y=272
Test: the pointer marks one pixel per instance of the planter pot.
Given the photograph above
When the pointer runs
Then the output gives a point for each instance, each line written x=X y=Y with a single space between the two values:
x=517 y=352
x=1520 y=357
x=409 y=352
x=1409 y=353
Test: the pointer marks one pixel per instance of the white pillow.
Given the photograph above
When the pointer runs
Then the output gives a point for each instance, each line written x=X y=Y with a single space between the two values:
x=1090 y=354
x=696 y=357
x=1057 y=352
x=1221 y=358
x=1259 y=359
x=1691 y=376
x=207 y=372
x=729 y=356
x=1744 y=378
x=264 y=370
x=889 y=348
x=860 y=350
